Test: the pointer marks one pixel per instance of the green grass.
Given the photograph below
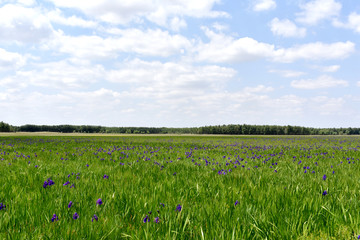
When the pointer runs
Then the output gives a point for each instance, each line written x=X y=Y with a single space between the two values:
x=287 y=204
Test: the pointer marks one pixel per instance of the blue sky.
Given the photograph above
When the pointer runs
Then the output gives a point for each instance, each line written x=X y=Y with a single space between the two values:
x=180 y=63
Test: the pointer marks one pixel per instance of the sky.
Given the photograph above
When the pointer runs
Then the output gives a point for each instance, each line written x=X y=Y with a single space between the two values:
x=180 y=63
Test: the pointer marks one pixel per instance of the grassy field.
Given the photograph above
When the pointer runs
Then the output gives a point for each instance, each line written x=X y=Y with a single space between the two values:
x=179 y=187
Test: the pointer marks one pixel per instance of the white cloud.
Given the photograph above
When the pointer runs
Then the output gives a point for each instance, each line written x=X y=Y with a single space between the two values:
x=287 y=106
x=315 y=51
x=331 y=68
x=318 y=10
x=328 y=106
x=353 y=22
x=224 y=48
x=323 y=81
x=288 y=73
x=159 y=12
x=169 y=92
x=263 y=5
x=179 y=80
x=57 y=17
x=26 y=3
x=10 y=60
x=358 y=84
x=286 y=28
x=220 y=27
x=258 y=89
x=86 y=107
x=177 y=23
x=157 y=43
x=22 y=24
x=64 y=74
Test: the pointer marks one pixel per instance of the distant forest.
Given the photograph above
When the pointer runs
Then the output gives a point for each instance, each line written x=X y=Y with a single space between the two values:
x=232 y=129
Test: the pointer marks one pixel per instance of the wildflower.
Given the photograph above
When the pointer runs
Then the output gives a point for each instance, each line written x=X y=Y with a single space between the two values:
x=49 y=182
x=99 y=201
x=70 y=204
x=72 y=186
x=67 y=183
x=75 y=216
x=178 y=208
x=236 y=203
x=324 y=177
x=156 y=220
x=324 y=193
x=54 y=218
x=106 y=176
x=163 y=205
x=2 y=206
x=146 y=219
x=95 y=218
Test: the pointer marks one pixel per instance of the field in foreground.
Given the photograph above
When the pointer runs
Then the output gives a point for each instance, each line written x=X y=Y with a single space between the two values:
x=185 y=187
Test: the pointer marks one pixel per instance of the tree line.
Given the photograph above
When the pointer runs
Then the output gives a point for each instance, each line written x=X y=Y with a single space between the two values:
x=231 y=129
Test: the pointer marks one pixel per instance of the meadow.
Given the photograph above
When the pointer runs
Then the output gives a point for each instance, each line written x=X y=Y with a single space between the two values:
x=179 y=187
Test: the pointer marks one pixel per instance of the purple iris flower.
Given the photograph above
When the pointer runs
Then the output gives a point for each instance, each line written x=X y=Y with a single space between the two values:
x=236 y=203
x=156 y=220
x=325 y=193
x=324 y=177
x=146 y=219
x=95 y=218
x=54 y=218
x=67 y=183
x=49 y=182
x=178 y=208
x=2 y=206
x=70 y=204
x=106 y=176
x=75 y=216
x=99 y=201
x=163 y=205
